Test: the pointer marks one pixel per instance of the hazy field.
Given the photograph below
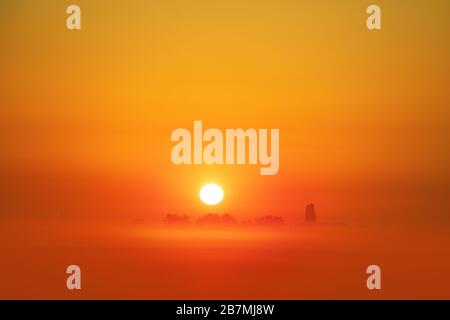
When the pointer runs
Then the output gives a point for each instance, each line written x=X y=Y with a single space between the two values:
x=120 y=260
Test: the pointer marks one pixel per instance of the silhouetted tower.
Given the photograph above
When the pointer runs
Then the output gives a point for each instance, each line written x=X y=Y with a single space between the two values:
x=310 y=213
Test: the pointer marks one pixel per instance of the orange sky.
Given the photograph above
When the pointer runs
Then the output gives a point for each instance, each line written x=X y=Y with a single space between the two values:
x=86 y=116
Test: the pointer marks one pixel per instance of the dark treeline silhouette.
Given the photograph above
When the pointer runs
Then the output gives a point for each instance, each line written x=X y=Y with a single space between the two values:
x=265 y=221
x=177 y=219
x=214 y=219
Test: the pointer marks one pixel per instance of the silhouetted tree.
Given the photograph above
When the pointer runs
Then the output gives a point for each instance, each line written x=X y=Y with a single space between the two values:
x=177 y=219
x=310 y=214
x=269 y=220
x=216 y=219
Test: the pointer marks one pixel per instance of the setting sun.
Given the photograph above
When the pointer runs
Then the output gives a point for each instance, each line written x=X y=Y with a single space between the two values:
x=211 y=194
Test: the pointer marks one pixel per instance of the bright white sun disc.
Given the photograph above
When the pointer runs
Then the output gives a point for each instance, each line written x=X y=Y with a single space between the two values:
x=211 y=194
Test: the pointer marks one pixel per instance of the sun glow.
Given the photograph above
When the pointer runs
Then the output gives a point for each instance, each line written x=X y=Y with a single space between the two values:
x=211 y=194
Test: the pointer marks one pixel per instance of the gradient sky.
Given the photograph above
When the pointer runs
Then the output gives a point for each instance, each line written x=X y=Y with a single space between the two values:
x=364 y=117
